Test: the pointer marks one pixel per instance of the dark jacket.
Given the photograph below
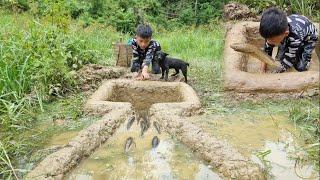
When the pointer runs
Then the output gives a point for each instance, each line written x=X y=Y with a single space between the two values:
x=296 y=49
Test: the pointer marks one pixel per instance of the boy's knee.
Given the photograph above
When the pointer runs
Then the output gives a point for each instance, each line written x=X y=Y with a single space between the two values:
x=301 y=68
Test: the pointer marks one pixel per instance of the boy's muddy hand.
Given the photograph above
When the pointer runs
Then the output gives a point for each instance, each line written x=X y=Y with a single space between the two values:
x=145 y=74
x=138 y=77
x=280 y=70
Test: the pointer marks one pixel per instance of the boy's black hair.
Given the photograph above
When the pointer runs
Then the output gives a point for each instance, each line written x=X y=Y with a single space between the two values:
x=273 y=23
x=144 y=31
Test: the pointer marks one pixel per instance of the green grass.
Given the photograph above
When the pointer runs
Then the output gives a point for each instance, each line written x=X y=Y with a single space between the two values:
x=203 y=48
x=305 y=116
x=36 y=56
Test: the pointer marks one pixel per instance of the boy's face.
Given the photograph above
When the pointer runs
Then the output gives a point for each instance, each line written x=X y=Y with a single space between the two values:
x=143 y=42
x=276 y=40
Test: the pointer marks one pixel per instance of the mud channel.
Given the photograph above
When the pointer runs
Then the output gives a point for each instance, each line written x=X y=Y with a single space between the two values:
x=169 y=160
x=121 y=99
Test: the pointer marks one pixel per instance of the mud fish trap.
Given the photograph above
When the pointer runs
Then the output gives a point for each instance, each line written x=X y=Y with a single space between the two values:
x=123 y=53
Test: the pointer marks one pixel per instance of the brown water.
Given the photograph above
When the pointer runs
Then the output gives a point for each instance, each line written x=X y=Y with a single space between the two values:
x=62 y=138
x=170 y=160
x=248 y=132
x=252 y=134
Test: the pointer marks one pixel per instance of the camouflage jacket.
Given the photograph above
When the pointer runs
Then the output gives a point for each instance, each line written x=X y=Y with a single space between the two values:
x=145 y=55
x=302 y=38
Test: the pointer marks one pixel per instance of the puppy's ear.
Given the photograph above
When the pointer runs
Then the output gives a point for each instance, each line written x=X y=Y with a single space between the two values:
x=166 y=54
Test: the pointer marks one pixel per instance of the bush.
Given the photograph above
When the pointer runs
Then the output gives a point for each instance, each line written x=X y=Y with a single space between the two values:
x=125 y=15
x=308 y=8
x=15 y=5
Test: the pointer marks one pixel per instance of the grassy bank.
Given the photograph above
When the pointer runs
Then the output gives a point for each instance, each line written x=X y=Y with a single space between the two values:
x=37 y=63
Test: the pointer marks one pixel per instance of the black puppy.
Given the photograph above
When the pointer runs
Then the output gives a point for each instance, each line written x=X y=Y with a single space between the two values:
x=167 y=63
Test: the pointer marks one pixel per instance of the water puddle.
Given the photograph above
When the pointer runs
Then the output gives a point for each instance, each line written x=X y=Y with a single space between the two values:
x=271 y=141
x=169 y=160
x=282 y=167
x=62 y=138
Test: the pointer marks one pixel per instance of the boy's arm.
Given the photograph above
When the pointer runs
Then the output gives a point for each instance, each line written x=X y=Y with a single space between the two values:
x=307 y=49
x=135 y=66
x=290 y=54
x=149 y=57
x=307 y=45
x=135 y=53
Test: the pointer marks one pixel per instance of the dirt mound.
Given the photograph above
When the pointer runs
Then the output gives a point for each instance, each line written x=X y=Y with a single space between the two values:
x=231 y=96
x=237 y=11
x=91 y=75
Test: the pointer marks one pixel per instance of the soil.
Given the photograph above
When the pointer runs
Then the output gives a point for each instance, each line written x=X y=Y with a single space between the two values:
x=237 y=11
x=91 y=75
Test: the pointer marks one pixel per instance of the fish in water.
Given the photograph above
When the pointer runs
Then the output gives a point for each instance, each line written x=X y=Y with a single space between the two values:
x=157 y=126
x=128 y=144
x=144 y=125
x=130 y=122
x=155 y=141
x=138 y=117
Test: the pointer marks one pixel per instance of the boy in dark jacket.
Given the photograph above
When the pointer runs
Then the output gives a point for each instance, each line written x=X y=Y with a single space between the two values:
x=295 y=35
x=144 y=49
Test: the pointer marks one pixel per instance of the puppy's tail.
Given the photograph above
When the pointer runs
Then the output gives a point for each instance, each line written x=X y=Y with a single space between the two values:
x=187 y=64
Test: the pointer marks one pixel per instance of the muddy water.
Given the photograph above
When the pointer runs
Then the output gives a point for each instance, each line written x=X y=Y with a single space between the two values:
x=250 y=133
x=254 y=134
x=170 y=160
x=62 y=138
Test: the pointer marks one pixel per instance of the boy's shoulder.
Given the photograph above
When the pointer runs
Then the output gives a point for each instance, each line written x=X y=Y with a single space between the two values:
x=154 y=43
x=300 y=26
x=297 y=19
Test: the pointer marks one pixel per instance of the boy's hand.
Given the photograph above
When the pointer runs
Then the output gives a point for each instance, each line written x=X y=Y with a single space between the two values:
x=145 y=74
x=280 y=69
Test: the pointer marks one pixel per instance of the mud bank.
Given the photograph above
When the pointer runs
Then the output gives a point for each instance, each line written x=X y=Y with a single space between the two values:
x=241 y=72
